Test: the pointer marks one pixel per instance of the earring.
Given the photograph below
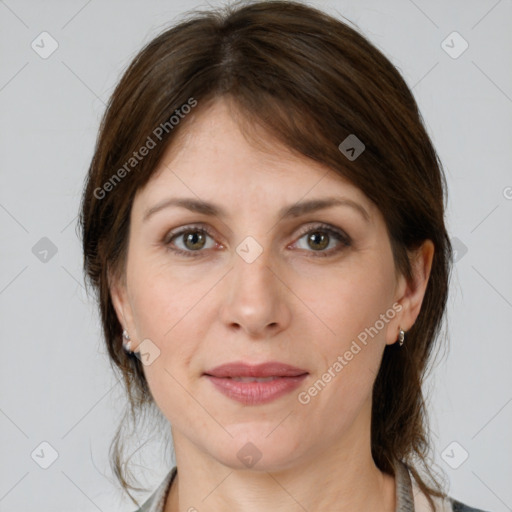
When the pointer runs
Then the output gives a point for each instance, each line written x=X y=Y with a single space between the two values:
x=401 y=336
x=126 y=342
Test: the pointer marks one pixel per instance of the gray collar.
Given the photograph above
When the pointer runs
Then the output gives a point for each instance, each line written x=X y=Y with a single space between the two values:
x=403 y=487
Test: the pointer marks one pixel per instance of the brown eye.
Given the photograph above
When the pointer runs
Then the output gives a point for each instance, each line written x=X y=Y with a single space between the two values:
x=318 y=240
x=189 y=242
x=194 y=240
x=324 y=240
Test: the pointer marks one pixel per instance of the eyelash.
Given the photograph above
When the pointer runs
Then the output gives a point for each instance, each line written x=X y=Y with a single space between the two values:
x=324 y=228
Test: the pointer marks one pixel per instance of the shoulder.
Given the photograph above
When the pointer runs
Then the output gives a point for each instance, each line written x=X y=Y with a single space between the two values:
x=458 y=506
x=156 y=501
x=446 y=504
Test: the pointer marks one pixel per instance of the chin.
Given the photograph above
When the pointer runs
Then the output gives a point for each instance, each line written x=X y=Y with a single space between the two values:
x=253 y=448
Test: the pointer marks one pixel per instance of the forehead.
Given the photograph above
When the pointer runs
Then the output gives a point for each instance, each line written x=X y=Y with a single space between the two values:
x=218 y=154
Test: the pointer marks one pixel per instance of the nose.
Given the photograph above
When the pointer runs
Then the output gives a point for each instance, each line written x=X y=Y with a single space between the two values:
x=255 y=299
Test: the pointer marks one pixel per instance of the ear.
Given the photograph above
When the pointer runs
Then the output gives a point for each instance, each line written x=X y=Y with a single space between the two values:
x=121 y=303
x=410 y=293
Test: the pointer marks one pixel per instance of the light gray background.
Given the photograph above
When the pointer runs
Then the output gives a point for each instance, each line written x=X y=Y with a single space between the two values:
x=56 y=384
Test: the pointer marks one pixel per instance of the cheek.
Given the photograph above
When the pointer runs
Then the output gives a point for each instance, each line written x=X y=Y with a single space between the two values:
x=171 y=307
x=164 y=297
x=348 y=302
x=164 y=312
x=348 y=305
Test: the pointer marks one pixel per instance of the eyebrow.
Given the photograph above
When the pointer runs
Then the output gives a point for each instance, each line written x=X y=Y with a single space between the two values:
x=294 y=210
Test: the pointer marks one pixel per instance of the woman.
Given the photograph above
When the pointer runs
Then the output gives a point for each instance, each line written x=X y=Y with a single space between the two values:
x=263 y=222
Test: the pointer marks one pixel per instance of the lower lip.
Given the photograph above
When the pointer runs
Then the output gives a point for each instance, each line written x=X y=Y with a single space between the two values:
x=254 y=393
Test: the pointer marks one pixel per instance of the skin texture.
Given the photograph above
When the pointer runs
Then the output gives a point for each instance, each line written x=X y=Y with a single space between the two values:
x=290 y=305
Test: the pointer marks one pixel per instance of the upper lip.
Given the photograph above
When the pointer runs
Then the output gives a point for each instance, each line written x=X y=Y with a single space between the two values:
x=269 y=369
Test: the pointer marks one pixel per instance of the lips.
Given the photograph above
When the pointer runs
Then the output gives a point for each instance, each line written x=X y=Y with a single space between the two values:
x=241 y=371
x=256 y=384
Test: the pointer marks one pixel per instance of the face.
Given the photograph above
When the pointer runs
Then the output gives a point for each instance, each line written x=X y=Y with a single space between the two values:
x=315 y=288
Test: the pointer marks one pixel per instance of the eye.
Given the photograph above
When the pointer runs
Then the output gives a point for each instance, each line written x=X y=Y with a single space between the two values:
x=323 y=237
x=192 y=240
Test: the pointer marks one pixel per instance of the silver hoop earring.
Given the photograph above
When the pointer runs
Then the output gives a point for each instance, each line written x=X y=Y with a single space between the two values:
x=401 y=336
x=126 y=342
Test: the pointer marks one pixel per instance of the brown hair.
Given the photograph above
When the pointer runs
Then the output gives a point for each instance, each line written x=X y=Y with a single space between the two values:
x=309 y=80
